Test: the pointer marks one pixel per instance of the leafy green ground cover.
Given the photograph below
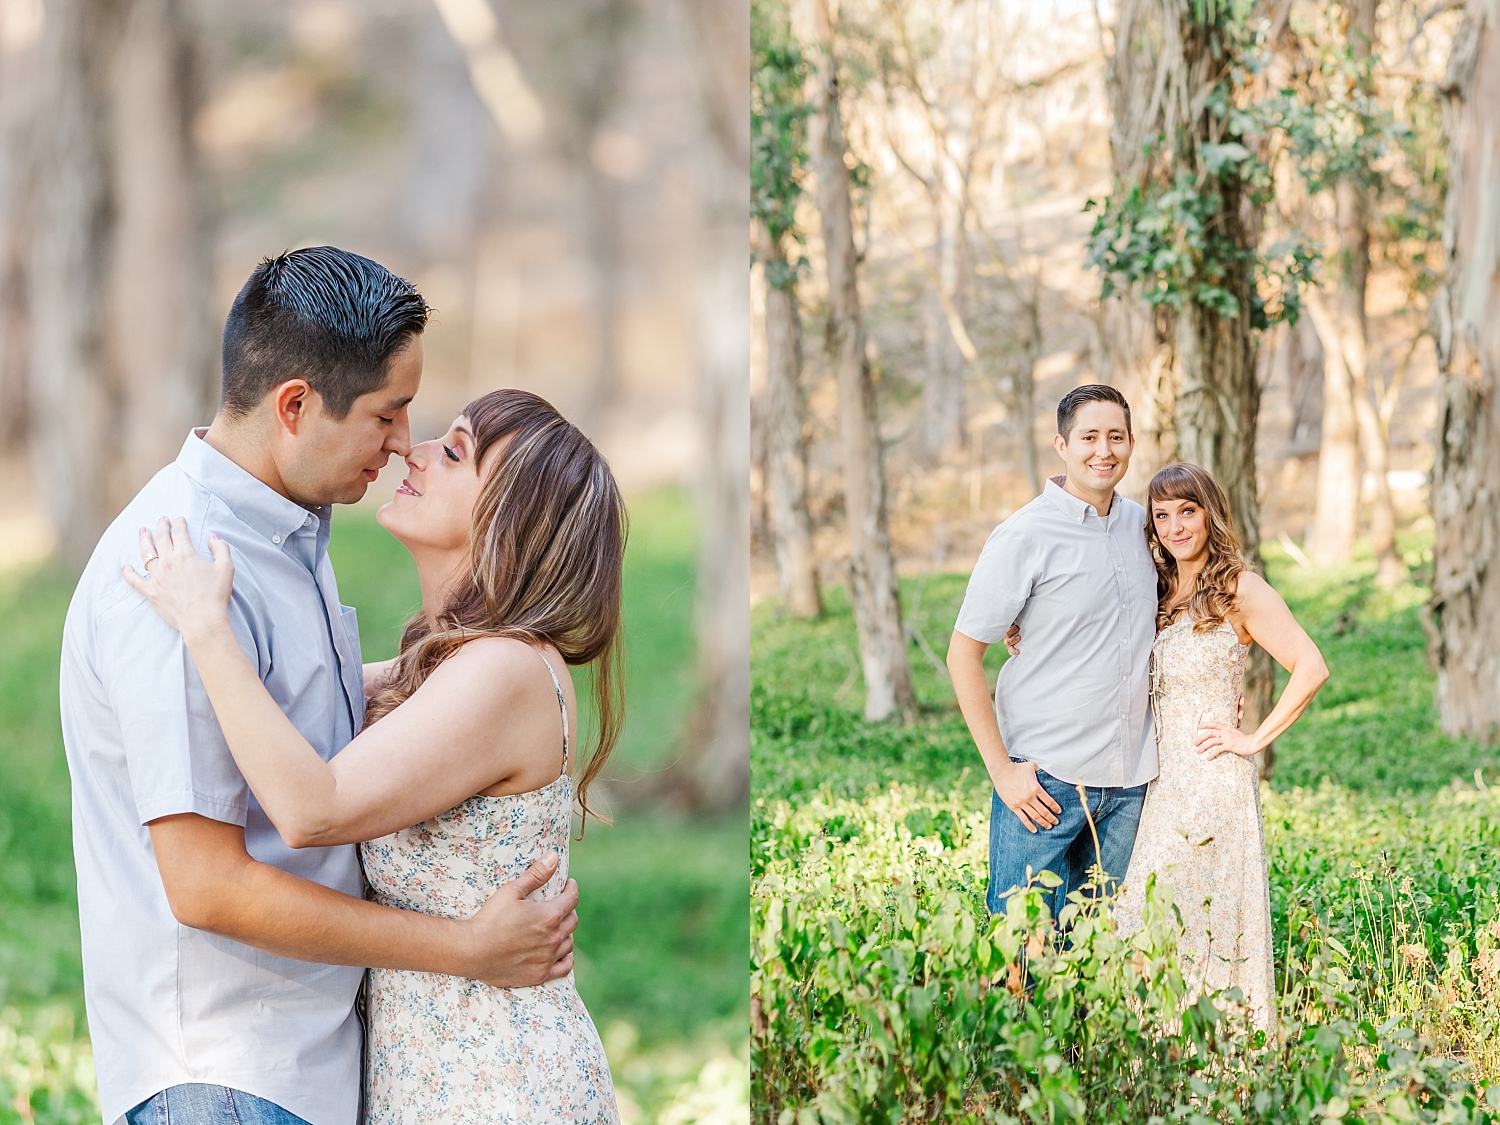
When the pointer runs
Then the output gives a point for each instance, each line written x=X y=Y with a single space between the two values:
x=661 y=940
x=868 y=854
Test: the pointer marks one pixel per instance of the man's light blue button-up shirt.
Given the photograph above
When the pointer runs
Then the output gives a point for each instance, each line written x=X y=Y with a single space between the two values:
x=1076 y=701
x=168 y=1004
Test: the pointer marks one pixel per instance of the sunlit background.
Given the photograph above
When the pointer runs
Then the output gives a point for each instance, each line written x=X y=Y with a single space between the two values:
x=565 y=184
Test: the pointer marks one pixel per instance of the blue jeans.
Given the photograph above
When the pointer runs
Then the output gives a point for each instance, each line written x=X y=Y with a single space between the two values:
x=200 y=1104
x=1067 y=848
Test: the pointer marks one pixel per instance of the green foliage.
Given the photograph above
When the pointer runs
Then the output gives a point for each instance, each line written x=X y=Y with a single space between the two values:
x=46 y=1072
x=883 y=991
x=1176 y=234
x=868 y=848
x=778 y=129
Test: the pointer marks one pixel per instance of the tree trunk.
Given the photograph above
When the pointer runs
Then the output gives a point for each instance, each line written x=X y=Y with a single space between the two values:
x=1352 y=421
x=1197 y=376
x=1464 y=614
x=72 y=403
x=875 y=595
x=786 y=453
x=17 y=187
x=159 y=329
x=943 y=386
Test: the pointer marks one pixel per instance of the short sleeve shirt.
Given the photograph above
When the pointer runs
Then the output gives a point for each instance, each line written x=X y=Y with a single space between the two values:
x=168 y=1004
x=1082 y=587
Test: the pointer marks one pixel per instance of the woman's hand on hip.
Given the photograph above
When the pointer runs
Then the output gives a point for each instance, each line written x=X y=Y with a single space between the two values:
x=1213 y=739
x=190 y=592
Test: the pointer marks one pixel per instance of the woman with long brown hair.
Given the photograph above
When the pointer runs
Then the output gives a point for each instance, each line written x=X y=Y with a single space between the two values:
x=467 y=768
x=1200 y=826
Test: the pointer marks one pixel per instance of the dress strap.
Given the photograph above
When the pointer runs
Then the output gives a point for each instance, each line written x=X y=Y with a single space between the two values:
x=562 y=704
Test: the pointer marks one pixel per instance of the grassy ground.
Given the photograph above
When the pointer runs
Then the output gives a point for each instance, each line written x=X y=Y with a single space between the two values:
x=661 y=942
x=1382 y=845
x=1372 y=728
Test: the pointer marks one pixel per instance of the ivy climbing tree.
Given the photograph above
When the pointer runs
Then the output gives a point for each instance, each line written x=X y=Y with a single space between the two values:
x=1179 y=239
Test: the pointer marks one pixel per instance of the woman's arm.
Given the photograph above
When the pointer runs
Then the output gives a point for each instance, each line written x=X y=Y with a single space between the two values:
x=457 y=735
x=1263 y=614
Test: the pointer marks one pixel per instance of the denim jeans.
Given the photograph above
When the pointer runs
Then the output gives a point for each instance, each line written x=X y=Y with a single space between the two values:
x=200 y=1104
x=1067 y=848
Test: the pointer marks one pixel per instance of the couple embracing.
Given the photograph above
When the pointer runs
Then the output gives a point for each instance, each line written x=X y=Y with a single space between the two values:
x=260 y=817
x=1129 y=630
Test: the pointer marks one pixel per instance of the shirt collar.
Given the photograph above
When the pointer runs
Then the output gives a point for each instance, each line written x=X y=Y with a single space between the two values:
x=1071 y=506
x=254 y=502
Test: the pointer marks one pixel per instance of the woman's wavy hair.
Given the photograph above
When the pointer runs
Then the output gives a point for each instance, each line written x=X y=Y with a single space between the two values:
x=1217 y=587
x=545 y=558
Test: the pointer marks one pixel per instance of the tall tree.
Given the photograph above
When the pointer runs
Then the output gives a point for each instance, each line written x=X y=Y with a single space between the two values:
x=70 y=393
x=119 y=267
x=1344 y=88
x=778 y=154
x=1464 y=622
x=1180 y=235
x=876 y=597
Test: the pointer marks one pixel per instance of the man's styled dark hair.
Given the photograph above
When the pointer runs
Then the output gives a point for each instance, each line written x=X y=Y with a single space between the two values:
x=1074 y=400
x=321 y=314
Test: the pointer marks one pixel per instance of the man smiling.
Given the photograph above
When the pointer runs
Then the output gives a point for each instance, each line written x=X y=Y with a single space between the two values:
x=1072 y=571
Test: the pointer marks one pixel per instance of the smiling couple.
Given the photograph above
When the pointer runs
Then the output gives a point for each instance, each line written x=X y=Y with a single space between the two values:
x=259 y=817
x=1136 y=626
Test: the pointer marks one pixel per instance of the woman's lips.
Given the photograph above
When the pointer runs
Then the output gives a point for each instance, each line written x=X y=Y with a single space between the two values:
x=408 y=489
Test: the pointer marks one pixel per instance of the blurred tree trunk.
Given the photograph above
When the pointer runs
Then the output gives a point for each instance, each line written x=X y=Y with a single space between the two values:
x=1197 y=376
x=120 y=338
x=17 y=184
x=786 y=452
x=72 y=400
x=713 y=772
x=1464 y=614
x=875 y=595
x=161 y=338
x=1351 y=426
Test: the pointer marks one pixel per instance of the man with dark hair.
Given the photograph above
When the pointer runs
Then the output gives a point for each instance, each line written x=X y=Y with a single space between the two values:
x=221 y=966
x=1072 y=570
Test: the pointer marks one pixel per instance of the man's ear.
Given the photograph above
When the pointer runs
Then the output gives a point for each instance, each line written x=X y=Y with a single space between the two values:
x=1060 y=444
x=291 y=402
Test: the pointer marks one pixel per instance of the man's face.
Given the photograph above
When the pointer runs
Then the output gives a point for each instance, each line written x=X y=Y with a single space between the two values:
x=1097 y=451
x=333 y=461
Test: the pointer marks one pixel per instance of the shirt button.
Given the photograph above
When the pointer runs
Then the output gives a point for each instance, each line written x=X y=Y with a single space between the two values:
x=307 y=522
x=275 y=539
x=1119 y=568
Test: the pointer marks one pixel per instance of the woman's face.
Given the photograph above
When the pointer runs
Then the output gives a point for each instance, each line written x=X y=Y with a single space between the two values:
x=434 y=508
x=1182 y=527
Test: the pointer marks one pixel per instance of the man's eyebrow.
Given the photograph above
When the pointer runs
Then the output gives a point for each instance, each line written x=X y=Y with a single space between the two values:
x=398 y=403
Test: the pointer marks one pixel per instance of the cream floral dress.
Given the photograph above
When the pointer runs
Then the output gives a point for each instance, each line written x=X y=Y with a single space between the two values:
x=1200 y=827
x=448 y=1050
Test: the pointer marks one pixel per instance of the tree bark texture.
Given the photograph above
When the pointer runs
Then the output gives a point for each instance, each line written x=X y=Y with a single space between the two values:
x=875 y=594
x=1464 y=618
x=1193 y=371
x=786 y=451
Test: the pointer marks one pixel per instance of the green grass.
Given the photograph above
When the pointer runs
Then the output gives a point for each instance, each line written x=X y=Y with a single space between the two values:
x=1383 y=848
x=662 y=941
x=1373 y=727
